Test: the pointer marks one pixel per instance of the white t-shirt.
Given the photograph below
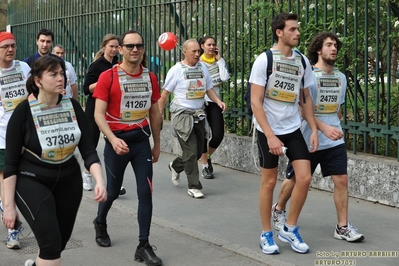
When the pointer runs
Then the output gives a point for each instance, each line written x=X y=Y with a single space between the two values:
x=330 y=119
x=224 y=75
x=71 y=78
x=4 y=117
x=282 y=118
x=175 y=83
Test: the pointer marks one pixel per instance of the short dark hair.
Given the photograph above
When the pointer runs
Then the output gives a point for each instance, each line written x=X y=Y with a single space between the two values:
x=317 y=44
x=130 y=31
x=278 y=22
x=44 y=63
x=45 y=32
x=122 y=38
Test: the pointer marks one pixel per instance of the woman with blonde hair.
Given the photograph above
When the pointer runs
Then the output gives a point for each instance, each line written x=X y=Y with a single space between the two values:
x=104 y=59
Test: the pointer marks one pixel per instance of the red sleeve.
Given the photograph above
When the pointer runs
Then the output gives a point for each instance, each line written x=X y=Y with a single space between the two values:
x=156 y=92
x=103 y=87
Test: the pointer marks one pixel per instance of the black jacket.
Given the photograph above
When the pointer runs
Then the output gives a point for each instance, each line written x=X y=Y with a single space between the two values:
x=93 y=73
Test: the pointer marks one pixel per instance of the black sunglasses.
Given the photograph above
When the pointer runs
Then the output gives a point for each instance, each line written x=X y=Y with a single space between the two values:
x=130 y=46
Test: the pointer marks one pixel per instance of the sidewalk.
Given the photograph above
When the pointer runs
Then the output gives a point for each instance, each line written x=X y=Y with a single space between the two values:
x=174 y=247
x=221 y=229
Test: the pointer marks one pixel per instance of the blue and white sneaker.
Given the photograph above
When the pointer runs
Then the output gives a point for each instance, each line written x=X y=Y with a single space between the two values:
x=12 y=240
x=293 y=238
x=267 y=243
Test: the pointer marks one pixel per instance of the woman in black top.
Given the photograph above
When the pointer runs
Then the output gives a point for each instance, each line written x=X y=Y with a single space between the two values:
x=44 y=179
x=104 y=59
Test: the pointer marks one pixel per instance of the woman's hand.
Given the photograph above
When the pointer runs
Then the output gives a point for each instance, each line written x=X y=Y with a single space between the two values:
x=217 y=53
x=10 y=215
x=100 y=193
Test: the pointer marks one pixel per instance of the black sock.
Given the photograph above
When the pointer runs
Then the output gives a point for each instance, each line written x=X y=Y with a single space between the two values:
x=342 y=226
x=142 y=243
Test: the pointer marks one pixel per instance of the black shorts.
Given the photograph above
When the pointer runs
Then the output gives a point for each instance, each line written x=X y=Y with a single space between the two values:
x=333 y=161
x=297 y=149
x=2 y=159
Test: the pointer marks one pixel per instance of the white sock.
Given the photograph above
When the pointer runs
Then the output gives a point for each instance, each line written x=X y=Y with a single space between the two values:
x=290 y=227
x=205 y=165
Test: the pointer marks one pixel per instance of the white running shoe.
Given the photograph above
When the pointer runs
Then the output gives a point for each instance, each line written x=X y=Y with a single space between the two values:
x=175 y=175
x=278 y=218
x=29 y=263
x=348 y=233
x=12 y=240
x=87 y=181
x=293 y=238
x=195 y=193
x=267 y=243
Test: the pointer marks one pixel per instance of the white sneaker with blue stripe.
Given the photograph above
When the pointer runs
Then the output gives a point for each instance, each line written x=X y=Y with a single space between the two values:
x=267 y=243
x=293 y=238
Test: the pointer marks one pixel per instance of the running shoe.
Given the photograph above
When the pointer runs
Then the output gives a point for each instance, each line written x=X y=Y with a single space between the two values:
x=195 y=193
x=278 y=218
x=206 y=173
x=175 y=175
x=293 y=238
x=267 y=243
x=87 y=181
x=147 y=255
x=348 y=233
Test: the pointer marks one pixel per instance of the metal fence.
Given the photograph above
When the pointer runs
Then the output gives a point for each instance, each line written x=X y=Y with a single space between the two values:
x=368 y=30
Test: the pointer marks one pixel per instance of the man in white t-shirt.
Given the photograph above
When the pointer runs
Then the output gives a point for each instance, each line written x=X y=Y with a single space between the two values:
x=71 y=89
x=13 y=76
x=277 y=120
x=189 y=80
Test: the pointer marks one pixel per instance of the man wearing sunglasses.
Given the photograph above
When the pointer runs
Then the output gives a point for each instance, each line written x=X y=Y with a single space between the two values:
x=189 y=80
x=124 y=95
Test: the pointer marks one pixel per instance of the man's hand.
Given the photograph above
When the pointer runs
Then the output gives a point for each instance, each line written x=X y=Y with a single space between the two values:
x=275 y=145
x=314 y=142
x=333 y=133
x=120 y=146
x=222 y=106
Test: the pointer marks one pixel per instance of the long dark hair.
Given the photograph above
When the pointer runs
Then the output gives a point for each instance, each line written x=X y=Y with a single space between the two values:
x=44 y=63
x=202 y=40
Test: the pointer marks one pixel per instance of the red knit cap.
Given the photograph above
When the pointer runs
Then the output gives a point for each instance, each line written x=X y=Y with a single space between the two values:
x=6 y=36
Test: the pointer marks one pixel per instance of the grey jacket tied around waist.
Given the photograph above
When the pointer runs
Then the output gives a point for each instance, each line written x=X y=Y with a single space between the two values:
x=183 y=120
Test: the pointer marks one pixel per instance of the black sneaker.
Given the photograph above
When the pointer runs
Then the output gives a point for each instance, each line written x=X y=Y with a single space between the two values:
x=210 y=165
x=206 y=173
x=102 y=237
x=122 y=191
x=146 y=254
